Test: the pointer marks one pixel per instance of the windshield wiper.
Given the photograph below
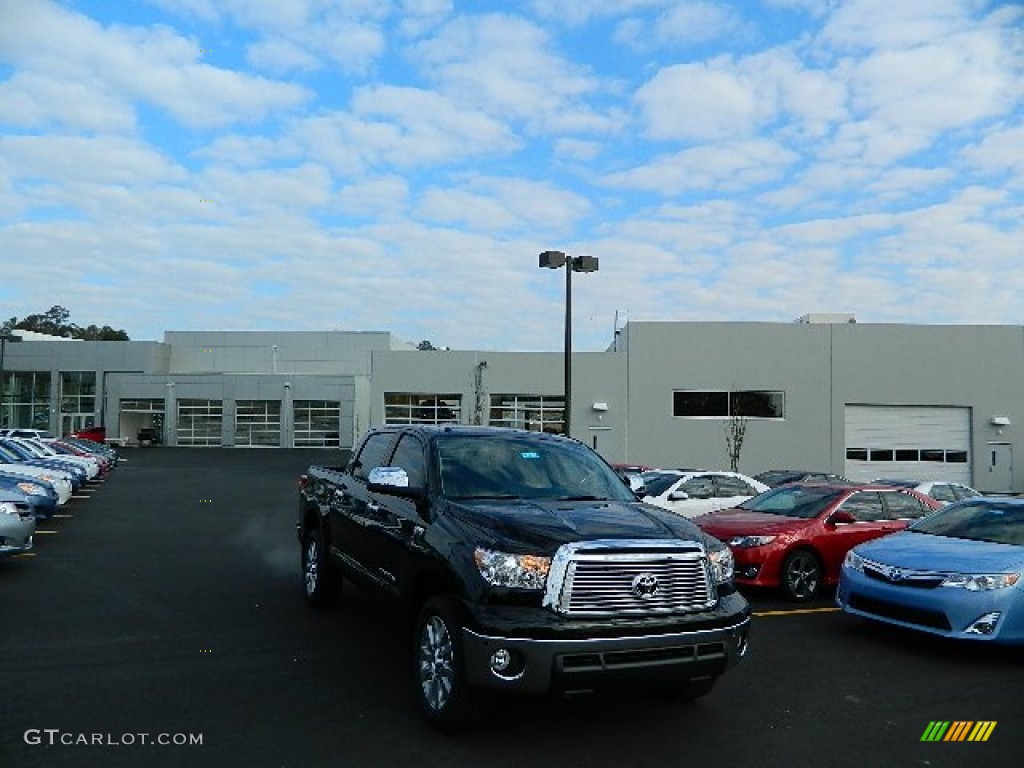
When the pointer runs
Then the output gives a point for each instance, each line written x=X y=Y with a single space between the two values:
x=582 y=498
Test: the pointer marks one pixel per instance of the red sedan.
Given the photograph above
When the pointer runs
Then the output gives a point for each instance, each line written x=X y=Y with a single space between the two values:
x=795 y=537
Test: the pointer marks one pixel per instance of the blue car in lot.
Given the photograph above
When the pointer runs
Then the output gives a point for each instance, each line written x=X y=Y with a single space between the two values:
x=957 y=573
x=39 y=494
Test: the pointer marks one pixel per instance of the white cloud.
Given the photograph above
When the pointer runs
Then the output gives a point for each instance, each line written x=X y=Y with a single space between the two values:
x=724 y=166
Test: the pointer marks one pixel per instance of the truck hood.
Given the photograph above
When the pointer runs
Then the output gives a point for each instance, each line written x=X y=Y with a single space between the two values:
x=541 y=526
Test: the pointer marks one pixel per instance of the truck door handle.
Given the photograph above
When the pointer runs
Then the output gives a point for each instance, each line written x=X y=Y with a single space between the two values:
x=373 y=507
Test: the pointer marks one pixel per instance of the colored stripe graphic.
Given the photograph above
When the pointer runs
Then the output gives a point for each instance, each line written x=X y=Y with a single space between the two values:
x=958 y=730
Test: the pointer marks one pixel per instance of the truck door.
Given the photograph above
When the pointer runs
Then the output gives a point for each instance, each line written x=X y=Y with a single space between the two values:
x=401 y=522
x=353 y=510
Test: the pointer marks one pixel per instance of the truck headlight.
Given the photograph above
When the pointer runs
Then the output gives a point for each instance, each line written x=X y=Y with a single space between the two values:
x=979 y=582
x=31 y=489
x=722 y=565
x=503 y=569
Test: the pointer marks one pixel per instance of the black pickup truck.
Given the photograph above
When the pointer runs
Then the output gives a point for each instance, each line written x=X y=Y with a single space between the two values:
x=525 y=565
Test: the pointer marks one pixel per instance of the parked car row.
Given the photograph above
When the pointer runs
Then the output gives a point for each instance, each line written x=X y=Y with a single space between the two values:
x=40 y=473
x=813 y=530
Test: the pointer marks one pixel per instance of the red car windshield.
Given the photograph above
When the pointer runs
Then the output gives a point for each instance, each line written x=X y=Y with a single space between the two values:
x=794 y=501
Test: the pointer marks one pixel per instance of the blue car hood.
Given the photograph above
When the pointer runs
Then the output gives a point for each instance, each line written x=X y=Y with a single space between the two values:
x=924 y=552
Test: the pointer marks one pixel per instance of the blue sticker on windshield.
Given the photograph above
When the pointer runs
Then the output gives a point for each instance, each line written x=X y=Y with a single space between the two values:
x=529 y=455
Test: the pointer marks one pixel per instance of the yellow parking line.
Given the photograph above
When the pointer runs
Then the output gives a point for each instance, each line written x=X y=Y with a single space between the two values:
x=26 y=554
x=795 y=611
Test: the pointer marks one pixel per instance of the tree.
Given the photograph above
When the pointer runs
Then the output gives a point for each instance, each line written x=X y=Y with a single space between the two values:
x=55 y=322
x=735 y=431
x=426 y=346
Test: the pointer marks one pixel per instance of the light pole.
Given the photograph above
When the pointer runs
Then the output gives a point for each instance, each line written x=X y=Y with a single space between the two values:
x=4 y=338
x=557 y=260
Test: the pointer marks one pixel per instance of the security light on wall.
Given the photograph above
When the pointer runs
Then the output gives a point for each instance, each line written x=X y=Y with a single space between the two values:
x=1000 y=421
x=600 y=407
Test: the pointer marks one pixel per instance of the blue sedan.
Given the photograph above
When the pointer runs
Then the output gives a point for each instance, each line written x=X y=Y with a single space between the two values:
x=957 y=573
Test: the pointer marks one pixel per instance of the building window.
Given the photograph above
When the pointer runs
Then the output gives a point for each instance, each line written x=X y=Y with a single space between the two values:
x=316 y=423
x=26 y=400
x=408 y=408
x=199 y=422
x=77 y=400
x=752 y=404
x=539 y=413
x=258 y=423
x=932 y=455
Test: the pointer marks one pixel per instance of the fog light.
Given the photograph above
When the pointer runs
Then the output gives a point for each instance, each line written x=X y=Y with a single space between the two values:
x=984 y=625
x=501 y=660
x=749 y=571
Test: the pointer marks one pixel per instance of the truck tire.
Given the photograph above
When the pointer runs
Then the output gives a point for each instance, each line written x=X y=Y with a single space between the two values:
x=446 y=700
x=320 y=579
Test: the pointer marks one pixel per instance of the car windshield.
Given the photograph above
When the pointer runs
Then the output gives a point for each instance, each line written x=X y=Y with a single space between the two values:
x=793 y=501
x=995 y=522
x=503 y=467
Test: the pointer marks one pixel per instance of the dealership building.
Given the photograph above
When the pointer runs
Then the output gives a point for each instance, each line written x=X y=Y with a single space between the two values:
x=823 y=393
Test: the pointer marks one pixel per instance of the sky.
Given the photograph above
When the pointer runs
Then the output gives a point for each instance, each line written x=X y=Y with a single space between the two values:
x=398 y=165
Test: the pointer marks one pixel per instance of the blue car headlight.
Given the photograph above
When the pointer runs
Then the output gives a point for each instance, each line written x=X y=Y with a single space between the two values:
x=854 y=562
x=980 y=582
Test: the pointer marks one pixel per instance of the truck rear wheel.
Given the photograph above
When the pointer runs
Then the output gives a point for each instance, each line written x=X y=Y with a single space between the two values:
x=320 y=579
x=447 y=701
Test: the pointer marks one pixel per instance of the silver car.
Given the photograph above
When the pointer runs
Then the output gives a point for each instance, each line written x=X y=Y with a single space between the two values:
x=17 y=524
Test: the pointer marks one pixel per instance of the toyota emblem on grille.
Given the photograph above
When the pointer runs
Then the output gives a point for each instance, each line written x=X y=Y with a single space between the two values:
x=645 y=586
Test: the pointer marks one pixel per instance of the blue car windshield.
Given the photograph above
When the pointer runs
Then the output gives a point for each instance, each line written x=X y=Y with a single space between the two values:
x=995 y=522
x=502 y=467
x=793 y=501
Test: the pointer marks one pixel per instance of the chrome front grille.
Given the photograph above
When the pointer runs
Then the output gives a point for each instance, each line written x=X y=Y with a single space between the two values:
x=610 y=578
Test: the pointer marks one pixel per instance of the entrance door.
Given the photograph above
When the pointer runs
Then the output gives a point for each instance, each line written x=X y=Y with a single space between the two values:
x=1000 y=468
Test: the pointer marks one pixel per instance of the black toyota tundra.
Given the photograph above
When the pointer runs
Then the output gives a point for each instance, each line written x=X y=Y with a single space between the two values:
x=526 y=565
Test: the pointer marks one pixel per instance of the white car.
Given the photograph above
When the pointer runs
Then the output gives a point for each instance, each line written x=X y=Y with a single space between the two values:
x=43 y=451
x=691 y=493
x=940 y=490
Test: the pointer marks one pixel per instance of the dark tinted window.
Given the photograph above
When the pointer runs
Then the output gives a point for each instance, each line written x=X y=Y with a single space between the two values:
x=963 y=492
x=733 y=486
x=656 y=483
x=700 y=487
x=409 y=456
x=903 y=506
x=942 y=492
x=373 y=454
x=700 y=403
x=865 y=506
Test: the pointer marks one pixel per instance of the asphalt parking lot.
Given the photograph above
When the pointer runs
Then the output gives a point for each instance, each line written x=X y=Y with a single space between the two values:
x=167 y=606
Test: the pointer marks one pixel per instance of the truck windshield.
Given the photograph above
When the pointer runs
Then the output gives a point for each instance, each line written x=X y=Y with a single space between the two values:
x=503 y=467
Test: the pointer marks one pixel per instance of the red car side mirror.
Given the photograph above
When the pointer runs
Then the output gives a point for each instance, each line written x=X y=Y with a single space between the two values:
x=841 y=518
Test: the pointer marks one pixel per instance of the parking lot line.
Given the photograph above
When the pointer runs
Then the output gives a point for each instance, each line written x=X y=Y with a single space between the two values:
x=39 y=531
x=61 y=517
x=795 y=611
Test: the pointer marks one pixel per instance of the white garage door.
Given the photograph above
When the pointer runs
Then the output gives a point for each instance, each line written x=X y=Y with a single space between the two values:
x=908 y=442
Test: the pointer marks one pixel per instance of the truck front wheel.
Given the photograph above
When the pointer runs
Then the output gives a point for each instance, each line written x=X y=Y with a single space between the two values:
x=447 y=701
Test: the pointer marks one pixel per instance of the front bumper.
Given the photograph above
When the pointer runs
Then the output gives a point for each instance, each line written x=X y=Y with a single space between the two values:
x=944 y=611
x=16 y=536
x=540 y=665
